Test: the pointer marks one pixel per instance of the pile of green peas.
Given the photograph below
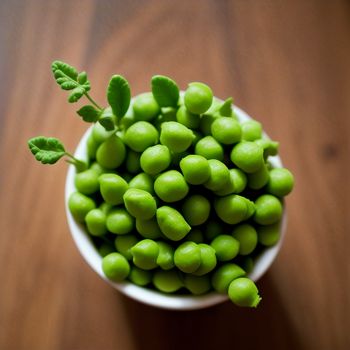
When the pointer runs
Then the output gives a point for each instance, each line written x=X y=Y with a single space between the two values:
x=182 y=199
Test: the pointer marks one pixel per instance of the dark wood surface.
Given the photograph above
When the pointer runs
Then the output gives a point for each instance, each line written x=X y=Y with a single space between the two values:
x=285 y=62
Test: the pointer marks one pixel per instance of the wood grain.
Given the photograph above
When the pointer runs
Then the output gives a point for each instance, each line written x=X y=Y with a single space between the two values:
x=284 y=62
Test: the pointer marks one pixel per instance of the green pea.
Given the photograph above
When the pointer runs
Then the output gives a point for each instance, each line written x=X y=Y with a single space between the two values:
x=209 y=148
x=124 y=243
x=133 y=162
x=167 y=281
x=91 y=146
x=281 y=182
x=145 y=107
x=247 y=237
x=243 y=292
x=175 y=136
x=155 y=159
x=259 y=179
x=119 y=221
x=234 y=208
x=140 y=136
x=171 y=186
x=213 y=229
x=86 y=182
x=172 y=223
x=224 y=275
x=196 y=209
x=111 y=153
x=112 y=188
x=219 y=176
x=115 y=267
x=145 y=254
x=140 y=277
x=208 y=260
x=197 y=285
x=166 y=256
x=226 y=247
x=251 y=130
x=187 y=257
x=268 y=210
x=140 y=204
x=195 y=169
x=238 y=182
x=96 y=222
x=195 y=236
x=79 y=205
x=148 y=228
x=270 y=147
x=105 y=249
x=214 y=107
x=143 y=182
x=100 y=134
x=98 y=169
x=269 y=235
x=187 y=118
x=248 y=156
x=198 y=98
x=105 y=207
x=226 y=130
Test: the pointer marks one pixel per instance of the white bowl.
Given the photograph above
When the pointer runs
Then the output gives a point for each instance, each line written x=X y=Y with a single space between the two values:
x=149 y=296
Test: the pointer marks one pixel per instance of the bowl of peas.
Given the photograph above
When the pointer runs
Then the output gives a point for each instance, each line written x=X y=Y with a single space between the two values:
x=190 y=212
x=175 y=198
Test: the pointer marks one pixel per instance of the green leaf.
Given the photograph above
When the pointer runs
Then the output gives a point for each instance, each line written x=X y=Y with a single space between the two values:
x=118 y=95
x=107 y=119
x=76 y=94
x=89 y=113
x=226 y=108
x=107 y=123
x=82 y=78
x=47 y=150
x=67 y=78
x=165 y=91
x=69 y=85
x=64 y=68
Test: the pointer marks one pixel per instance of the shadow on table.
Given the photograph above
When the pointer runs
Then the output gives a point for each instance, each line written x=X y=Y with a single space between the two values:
x=221 y=327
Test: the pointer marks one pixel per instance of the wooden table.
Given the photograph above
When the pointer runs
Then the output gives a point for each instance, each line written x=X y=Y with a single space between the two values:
x=285 y=62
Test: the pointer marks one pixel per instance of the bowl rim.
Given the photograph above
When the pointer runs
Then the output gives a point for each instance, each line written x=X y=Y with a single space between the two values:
x=145 y=295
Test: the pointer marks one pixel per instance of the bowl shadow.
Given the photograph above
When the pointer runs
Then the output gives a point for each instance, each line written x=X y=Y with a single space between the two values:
x=220 y=327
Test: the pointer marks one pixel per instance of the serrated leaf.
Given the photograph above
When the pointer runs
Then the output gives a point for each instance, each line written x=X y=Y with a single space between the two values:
x=165 y=91
x=89 y=113
x=65 y=68
x=69 y=85
x=68 y=78
x=47 y=150
x=118 y=95
x=226 y=108
x=82 y=78
x=76 y=94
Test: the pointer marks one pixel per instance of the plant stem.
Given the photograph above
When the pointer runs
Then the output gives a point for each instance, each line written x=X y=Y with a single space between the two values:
x=79 y=164
x=93 y=102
